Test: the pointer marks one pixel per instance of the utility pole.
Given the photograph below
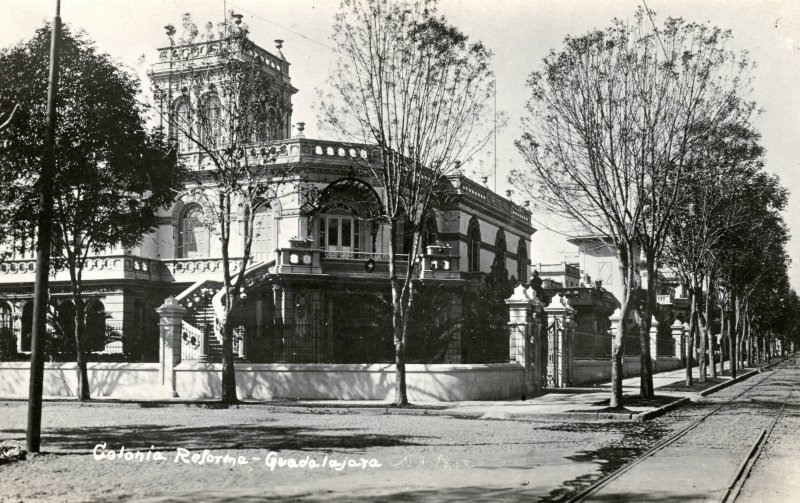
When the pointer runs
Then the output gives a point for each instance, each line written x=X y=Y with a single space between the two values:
x=45 y=224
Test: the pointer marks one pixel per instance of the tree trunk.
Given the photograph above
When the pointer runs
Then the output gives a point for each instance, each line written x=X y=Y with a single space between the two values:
x=712 y=361
x=701 y=339
x=228 y=395
x=400 y=390
x=748 y=337
x=228 y=368
x=689 y=338
x=84 y=393
x=722 y=327
x=646 y=362
x=738 y=334
x=617 y=344
x=616 y=365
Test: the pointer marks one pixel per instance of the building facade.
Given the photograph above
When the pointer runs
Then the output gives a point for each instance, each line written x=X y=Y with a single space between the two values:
x=317 y=284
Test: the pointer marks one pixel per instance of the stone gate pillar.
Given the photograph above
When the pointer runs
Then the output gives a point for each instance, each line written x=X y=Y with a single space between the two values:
x=654 y=344
x=171 y=313
x=523 y=341
x=677 y=338
x=559 y=347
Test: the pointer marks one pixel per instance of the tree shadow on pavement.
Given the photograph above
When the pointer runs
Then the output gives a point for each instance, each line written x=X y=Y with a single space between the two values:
x=636 y=439
x=473 y=494
x=234 y=436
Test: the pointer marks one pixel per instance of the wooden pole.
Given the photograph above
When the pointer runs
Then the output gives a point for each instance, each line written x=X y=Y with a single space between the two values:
x=45 y=224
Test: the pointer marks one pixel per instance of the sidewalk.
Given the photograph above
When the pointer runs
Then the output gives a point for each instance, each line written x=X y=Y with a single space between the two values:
x=584 y=403
x=557 y=404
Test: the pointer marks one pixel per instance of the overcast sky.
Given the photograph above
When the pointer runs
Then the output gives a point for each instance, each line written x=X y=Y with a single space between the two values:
x=520 y=32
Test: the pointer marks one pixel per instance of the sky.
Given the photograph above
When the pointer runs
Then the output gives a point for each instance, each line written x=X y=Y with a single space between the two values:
x=519 y=32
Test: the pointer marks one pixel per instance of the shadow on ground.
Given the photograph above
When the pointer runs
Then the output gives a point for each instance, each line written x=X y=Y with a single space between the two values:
x=473 y=494
x=636 y=439
x=235 y=436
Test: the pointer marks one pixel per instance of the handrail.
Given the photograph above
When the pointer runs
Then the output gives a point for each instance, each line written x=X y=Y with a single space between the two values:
x=216 y=300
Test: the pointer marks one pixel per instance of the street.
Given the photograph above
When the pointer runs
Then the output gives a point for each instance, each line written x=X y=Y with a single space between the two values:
x=260 y=452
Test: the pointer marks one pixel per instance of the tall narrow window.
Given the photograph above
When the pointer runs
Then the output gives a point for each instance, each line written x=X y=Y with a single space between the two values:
x=500 y=249
x=183 y=126
x=429 y=233
x=193 y=235
x=211 y=121
x=473 y=246
x=341 y=235
x=6 y=322
x=522 y=262
x=262 y=234
x=27 y=325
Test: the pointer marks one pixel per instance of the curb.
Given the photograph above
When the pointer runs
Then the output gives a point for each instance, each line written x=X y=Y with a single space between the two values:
x=652 y=414
x=730 y=382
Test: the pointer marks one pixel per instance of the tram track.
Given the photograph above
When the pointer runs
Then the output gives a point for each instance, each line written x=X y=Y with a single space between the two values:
x=744 y=468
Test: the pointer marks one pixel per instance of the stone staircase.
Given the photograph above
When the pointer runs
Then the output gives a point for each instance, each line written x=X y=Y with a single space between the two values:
x=203 y=304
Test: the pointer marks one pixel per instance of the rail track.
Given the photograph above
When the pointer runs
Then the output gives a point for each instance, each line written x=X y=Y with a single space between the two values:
x=745 y=466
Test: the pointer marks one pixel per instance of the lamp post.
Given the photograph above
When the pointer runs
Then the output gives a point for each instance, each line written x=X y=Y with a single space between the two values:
x=45 y=224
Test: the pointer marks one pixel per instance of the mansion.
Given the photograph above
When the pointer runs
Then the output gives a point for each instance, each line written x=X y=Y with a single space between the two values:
x=317 y=284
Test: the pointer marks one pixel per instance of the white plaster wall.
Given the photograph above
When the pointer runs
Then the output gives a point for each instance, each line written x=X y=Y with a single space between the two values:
x=116 y=380
x=352 y=382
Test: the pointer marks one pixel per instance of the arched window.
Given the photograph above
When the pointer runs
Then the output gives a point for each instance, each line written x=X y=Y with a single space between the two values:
x=183 y=126
x=522 y=262
x=500 y=248
x=474 y=246
x=211 y=121
x=193 y=236
x=263 y=248
x=346 y=207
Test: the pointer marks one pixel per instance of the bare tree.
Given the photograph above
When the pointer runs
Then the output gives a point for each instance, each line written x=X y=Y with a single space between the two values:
x=412 y=84
x=224 y=102
x=714 y=204
x=612 y=121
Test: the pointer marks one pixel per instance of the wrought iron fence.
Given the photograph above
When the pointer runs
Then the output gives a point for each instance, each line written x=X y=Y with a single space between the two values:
x=665 y=346
x=631 y=344
x=315 y=341
x=591 y=345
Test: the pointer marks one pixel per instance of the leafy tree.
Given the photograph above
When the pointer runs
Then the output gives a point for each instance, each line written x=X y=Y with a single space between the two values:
x=612 y=121
x=112 y=175
x=414 y=85
x=222 y=103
